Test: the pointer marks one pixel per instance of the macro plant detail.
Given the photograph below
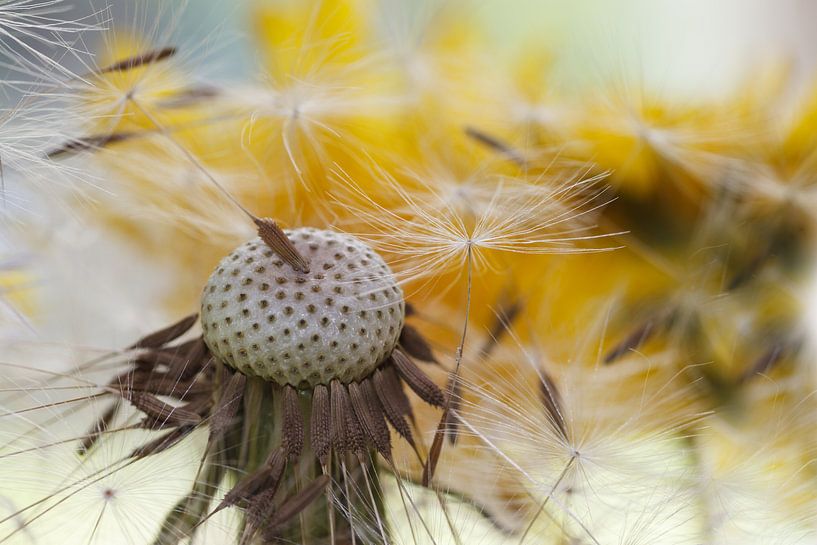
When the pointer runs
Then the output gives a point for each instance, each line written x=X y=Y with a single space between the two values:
x=294 y=415
x=438 y=295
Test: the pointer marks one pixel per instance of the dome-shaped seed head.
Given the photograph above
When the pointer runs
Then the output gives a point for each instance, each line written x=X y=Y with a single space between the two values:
x=338 y=321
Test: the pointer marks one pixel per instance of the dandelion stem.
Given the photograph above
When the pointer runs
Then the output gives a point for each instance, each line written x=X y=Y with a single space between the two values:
x=192 y=158
x=519 y=468
x=546 y=499
x=269 y=231
x=453 y=383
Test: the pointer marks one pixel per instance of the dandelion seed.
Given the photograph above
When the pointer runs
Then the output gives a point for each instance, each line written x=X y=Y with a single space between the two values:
x=36 y=32
x=428 y=235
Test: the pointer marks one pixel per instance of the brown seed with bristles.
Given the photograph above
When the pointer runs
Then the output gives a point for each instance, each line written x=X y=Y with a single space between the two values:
x=552 y=402
x=85 y=143
x=394 y=387
x=265 y=478
x=137 y=61
x=159 y=412
x=246 y=488
x=767 y=360
x=354 y=429
x=370 y=415
x=100 y=426
x=228 y=405
x=274 y=237
x=162 y=443
x=391 y=408
x=435 y=451
x=167 y=334
x=196 y=358
x=293 y=505
x=153 y=358
x=415 y=345
x=293 y=426
x=417 y=380
x=636 y=338
x=505 y=316
x=340 y=406
x=163 y=385
x=320 y=424
x=452 y=424
x=495 y=144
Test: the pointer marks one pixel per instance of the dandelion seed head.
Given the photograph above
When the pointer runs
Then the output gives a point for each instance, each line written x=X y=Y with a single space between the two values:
x=338 y=321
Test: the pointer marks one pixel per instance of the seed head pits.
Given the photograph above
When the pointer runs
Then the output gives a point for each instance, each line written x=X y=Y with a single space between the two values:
x=340 y=320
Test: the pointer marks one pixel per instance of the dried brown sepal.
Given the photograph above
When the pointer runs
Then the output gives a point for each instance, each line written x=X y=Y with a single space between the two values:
x=339 y=409
x=635 y=339
x=293 y=426
x=140 y=60
x=552 y=402
x=370 y=415
x=451 y=423
x=391 y=407
x=417 y=380
x=293 y=505
x=320 y=428
x=160 y=412
x=162 y=443
x=167 y=334
x=100 y=426
x=415 y=345
x=274 y=237
x=227 y=407
x=495 y=144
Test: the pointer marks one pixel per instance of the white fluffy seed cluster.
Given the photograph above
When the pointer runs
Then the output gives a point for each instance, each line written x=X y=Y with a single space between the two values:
x=340 y=320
